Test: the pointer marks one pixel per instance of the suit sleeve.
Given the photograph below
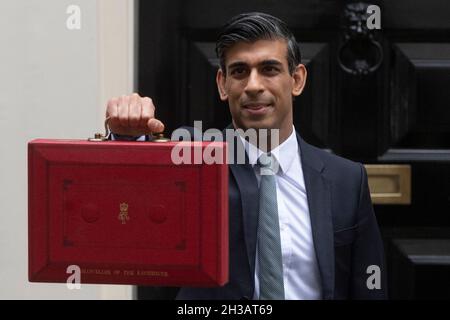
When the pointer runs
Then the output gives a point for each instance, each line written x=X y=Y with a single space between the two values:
x=117 y=137
x=368 y=280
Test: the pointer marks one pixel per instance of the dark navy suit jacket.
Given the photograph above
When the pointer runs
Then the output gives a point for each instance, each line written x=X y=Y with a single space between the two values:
x=345 y=231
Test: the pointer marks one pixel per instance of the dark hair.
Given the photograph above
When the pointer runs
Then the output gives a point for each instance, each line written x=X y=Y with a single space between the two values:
x=253 y=26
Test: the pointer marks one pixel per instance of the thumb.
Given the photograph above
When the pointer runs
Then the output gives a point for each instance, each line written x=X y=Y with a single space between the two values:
x=155 y=126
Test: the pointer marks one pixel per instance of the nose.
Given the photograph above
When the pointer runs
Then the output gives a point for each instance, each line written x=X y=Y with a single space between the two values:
x=254 y=83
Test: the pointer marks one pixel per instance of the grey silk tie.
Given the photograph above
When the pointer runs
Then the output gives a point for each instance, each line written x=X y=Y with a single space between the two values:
x=269 y=244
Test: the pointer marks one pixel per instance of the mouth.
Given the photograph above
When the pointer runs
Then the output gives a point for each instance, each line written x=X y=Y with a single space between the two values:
x=257 y=108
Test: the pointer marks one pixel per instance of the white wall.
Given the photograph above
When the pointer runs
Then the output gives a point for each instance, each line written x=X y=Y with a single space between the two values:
x=53 y=84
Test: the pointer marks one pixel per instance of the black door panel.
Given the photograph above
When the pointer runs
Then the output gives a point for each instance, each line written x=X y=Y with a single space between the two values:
x=381 y=100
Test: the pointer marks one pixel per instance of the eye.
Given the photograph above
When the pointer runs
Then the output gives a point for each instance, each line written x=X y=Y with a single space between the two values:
x=270 y=70
x=238 y=71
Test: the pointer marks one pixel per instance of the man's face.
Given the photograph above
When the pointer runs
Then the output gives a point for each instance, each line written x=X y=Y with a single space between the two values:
x=258 y=85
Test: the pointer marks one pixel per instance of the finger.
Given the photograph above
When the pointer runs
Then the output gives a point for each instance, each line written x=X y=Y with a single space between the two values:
x=148 y=111
x=112 y=112
x=134 y=110
x=111 y=108
x=124 y=111
x=155 y=126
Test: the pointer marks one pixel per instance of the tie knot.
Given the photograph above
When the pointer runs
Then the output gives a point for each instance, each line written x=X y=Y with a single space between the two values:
x=265 y=160
x=268 y=165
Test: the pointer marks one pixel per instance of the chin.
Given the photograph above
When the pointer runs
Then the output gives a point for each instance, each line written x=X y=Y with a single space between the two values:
x=258 y=125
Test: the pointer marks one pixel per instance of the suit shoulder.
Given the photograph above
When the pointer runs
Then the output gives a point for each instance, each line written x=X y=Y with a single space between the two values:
x=337 y=167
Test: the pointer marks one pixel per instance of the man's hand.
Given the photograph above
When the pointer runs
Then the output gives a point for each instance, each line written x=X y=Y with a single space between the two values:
x=133 y=116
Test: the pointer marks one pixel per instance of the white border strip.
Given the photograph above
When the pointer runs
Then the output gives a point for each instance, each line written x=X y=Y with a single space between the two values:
x=116 y=42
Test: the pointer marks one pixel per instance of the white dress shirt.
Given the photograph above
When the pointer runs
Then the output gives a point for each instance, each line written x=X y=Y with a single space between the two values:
x=300 y=269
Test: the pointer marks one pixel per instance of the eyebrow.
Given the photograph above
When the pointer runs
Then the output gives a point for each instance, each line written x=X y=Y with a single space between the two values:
x=237 y=65
x=269 y=62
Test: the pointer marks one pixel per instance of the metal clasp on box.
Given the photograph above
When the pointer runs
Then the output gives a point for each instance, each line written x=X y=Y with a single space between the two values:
x=99 y=137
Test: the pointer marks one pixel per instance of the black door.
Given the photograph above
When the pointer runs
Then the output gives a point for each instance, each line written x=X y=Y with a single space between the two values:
x=378 y=96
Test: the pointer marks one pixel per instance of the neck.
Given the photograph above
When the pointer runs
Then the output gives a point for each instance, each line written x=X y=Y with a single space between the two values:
x=271 y=140
x=286 y=132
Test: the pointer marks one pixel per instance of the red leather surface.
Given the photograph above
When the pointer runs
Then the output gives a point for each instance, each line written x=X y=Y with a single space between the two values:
x=172 y=227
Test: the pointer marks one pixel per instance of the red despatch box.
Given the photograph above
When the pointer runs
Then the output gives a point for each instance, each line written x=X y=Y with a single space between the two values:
x=124 y=213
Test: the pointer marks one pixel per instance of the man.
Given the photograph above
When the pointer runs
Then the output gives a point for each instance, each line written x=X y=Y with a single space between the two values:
x=308 y=231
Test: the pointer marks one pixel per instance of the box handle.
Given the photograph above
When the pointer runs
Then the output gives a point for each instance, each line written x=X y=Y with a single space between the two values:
x=100 y=137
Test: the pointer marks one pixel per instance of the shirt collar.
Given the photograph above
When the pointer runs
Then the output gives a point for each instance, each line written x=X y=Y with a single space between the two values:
x=284 y=154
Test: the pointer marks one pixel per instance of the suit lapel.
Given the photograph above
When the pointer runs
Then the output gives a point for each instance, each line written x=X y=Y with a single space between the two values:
x=248 y=188
x=319 y=202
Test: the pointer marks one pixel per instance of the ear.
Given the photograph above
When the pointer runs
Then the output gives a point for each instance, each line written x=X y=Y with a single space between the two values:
x=220 y=80
x=298 y=80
